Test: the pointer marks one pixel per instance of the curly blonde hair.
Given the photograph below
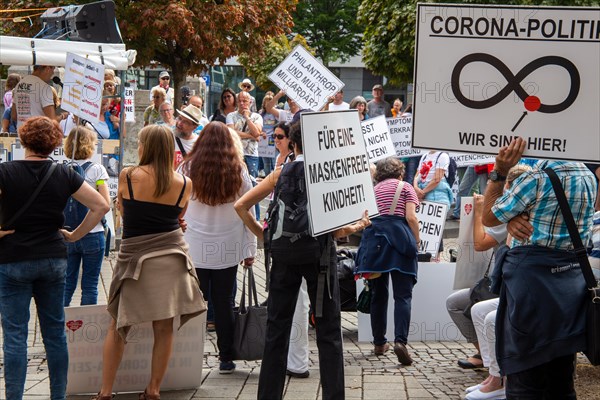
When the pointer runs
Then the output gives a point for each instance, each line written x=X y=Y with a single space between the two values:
x=84 y=141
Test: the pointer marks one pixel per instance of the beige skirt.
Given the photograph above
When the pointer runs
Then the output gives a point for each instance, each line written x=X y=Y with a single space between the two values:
x=165 y=288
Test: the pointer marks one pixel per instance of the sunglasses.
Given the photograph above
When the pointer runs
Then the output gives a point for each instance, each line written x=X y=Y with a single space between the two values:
x=246 y=86
x=279 y=137
x=165 y=78
x=227 y=96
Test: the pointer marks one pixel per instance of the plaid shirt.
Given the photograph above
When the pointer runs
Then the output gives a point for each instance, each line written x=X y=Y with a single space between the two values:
x=532 y=193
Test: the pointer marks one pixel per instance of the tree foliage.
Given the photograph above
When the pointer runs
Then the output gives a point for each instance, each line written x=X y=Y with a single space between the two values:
x=275 y=51
x=188 y=36
x=330 y=27
x=389 y=32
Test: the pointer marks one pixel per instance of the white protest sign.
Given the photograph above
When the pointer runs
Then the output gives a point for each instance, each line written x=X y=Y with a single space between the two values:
x=432 y=217
x=303 y=78
x=467 y=159
x=401 y=131
x=470 y=264
x=86 y=328
x=532 y=72
x=266 y=147
x=3 y=155
x=83 y=86
x=58 y=155
x=129 y=104
x=337 y=170
x=377 y=138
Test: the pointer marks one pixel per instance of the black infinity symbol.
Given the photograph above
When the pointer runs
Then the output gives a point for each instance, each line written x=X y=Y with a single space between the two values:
x=515 y=80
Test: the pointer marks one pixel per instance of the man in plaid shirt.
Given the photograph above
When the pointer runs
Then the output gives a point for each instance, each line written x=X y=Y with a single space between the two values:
x=540 y=323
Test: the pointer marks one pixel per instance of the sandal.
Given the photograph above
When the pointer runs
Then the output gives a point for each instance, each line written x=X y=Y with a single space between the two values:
x=466 y=364
x=146 y=396
x=99 y=397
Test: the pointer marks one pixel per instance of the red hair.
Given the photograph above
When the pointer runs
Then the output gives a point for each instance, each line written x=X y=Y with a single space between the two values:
x=41 y=135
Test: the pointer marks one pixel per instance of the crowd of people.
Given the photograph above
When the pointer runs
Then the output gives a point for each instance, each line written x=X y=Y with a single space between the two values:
x=190 y=218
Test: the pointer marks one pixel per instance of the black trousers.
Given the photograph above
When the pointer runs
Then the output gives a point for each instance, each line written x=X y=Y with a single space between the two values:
x=221 y=283
x=552 y=380
x=283 y=293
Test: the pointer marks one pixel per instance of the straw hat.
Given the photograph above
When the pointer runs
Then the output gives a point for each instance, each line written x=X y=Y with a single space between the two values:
x=246 y=82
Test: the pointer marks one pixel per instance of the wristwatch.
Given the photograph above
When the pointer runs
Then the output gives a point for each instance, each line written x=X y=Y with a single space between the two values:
x=495 y=176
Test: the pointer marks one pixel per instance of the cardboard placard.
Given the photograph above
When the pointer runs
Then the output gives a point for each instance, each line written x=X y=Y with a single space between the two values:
x=303 y=78
x=337 y=170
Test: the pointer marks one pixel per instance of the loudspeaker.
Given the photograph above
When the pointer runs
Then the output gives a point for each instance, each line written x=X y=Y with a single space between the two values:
x=93 y=22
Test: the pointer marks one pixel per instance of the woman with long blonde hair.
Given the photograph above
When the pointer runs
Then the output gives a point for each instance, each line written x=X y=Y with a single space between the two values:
x=154 y=279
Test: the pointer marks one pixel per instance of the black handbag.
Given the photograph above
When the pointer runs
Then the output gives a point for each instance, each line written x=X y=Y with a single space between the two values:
x=481 y=291
x=363 y=304
x=250 y=325
x=592 y=328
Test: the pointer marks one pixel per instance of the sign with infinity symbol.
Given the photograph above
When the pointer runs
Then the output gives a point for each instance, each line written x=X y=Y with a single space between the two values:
x=486 y=74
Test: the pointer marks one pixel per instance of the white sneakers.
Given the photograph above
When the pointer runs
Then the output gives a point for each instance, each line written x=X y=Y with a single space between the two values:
x=477 y=394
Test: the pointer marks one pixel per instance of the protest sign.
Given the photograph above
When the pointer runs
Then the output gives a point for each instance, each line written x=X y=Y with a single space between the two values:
x=58 y=155
x=468 y=159
x=531 y=72
x=470 y=264
x=303 y=78
x=377 y=138
x=82 y=88
x=129 y=104
x=432 y=217
x=401 y=132
x=337 y=170
x=3 y=155
x=86 y=328
x=266 y=147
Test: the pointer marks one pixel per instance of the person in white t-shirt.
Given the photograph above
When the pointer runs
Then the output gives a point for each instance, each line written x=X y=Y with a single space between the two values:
x=336 y=102
x=32 y=97
x=185 y=125
x=88 y=252
x=282 y=115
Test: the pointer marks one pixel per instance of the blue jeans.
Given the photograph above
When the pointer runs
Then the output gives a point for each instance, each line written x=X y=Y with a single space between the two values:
x=466 y=184
x=44 y=280
x=252 y=164
x=403 y=286
x=90 y=251
x=268 y=164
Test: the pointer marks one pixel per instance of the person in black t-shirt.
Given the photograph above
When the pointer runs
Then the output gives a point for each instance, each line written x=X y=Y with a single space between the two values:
x=33 y=256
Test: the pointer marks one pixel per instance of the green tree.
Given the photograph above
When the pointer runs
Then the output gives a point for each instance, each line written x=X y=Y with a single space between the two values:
x=389 y=32
x=330 y=28
x=187 y=36
x=275 y=51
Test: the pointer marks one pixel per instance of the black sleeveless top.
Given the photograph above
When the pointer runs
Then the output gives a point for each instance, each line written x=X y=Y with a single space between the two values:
x=145 y=218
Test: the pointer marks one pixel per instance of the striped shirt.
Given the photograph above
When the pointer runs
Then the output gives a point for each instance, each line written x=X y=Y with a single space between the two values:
x=384 y=195
x=532 y=193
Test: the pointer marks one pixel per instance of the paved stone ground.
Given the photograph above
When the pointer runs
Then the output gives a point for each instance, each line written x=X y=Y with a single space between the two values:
x=434 y=374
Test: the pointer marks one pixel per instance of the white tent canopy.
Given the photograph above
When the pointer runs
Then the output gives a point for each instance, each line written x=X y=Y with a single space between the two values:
x=27 y=51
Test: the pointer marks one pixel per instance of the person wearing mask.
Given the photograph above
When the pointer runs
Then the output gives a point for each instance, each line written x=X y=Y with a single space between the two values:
x=33 y=254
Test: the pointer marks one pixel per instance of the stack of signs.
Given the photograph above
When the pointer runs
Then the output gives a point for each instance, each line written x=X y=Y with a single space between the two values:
x=83 y=86
x=304 y=79
x=337 y=170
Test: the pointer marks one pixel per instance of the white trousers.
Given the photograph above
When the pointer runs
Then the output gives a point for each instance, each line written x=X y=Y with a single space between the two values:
x=298 y=353
x=484 y=320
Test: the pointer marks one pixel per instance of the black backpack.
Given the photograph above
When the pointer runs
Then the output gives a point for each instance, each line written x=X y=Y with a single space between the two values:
x=287 y=235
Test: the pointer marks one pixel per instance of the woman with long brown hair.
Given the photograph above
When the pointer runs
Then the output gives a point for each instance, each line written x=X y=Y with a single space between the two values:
x=154 y=279
x=228 y=104
x=219 y=239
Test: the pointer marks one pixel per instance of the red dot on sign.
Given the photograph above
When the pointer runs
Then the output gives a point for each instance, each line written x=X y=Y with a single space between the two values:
x=532 y=103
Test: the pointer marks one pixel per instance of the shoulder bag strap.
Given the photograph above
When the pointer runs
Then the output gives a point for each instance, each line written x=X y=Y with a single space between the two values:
x=32 y=197
x=579 y=250
x=396 y=197
x=180 y=145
